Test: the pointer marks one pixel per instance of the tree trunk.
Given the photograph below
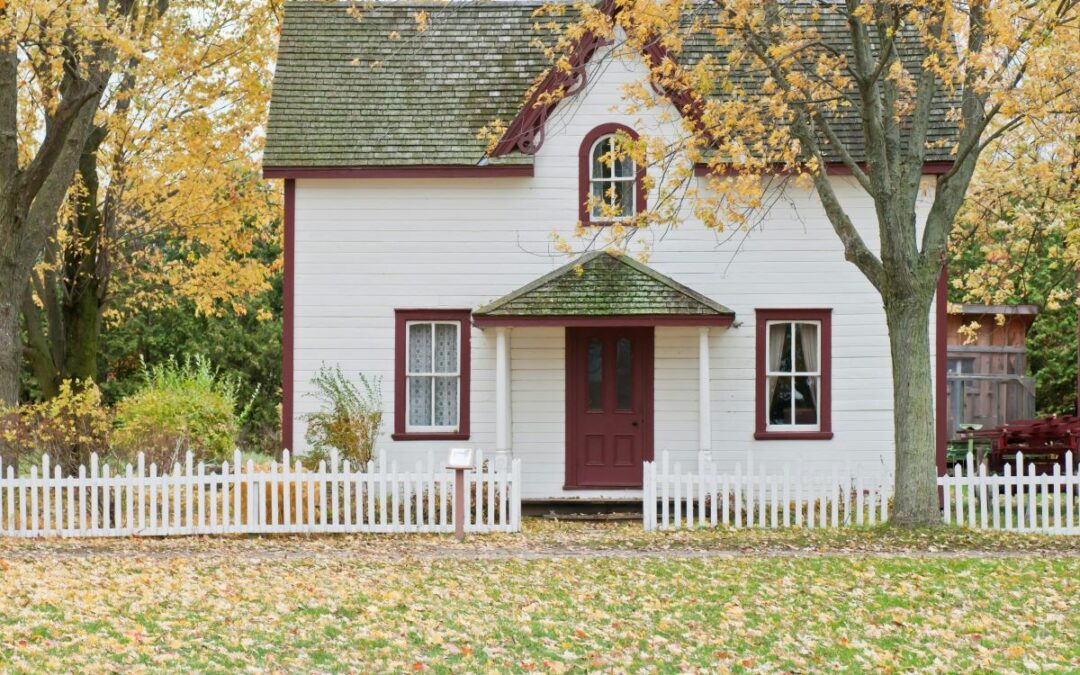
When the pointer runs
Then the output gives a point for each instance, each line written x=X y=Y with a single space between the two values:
x=10 y=337
x=916 y=500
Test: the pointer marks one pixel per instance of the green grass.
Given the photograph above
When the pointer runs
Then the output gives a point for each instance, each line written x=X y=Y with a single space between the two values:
x=342 y=603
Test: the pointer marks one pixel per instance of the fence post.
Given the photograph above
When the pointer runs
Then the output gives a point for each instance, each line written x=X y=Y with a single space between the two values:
x=459 y=503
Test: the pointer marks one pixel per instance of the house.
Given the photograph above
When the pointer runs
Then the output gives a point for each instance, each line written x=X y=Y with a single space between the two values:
x=989 y=383
x=414 y=254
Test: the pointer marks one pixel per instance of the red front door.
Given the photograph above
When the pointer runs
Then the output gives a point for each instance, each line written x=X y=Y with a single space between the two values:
x=609 y=401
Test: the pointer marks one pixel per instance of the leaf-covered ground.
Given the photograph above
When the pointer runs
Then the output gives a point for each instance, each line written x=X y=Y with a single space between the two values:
x=556 y=598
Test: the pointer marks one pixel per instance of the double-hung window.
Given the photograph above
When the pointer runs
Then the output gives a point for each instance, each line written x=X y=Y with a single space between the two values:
x=794 y=370
x=432 y=364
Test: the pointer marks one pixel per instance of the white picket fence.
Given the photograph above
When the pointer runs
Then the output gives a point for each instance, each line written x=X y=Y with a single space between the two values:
x=238 y=499
x=758 y=496
x=1017 y=500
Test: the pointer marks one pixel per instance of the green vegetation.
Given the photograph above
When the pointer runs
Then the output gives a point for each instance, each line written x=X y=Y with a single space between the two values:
x=414 y=602
x=180 y=408
x=349 y=419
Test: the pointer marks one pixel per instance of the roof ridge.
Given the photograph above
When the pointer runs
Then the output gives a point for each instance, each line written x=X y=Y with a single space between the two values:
x=616 y=256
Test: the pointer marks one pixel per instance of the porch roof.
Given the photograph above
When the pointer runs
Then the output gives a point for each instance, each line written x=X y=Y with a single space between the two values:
x=600 y=288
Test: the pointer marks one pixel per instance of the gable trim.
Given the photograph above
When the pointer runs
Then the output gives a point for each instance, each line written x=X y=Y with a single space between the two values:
x=526 y=132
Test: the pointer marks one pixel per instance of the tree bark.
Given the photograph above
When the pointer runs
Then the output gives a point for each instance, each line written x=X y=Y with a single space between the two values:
x=908 y=319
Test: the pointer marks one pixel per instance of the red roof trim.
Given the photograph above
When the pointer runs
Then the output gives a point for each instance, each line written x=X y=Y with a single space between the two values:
x=288 y=312
x=840 y=169
x=625 y=320
x=414 y=171
x=941 y=366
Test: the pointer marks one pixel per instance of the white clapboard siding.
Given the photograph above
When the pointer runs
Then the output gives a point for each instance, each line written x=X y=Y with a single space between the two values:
x=238 y=498
x=755 y=495
x=1019 y=500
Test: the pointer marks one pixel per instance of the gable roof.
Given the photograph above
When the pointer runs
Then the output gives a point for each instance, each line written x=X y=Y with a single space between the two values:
x=430 y=93
x=424 y=105
x=600 y=284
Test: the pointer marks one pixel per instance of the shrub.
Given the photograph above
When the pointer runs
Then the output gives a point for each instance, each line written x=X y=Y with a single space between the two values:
x=177 y=409
x=350 y=419
x=67 y=427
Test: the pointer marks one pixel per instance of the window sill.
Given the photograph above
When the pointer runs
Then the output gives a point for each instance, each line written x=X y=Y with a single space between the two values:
x=793 y=435
x=430 y=436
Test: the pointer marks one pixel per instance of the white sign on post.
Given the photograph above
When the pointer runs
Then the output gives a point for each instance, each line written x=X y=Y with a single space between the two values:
x=460 y=458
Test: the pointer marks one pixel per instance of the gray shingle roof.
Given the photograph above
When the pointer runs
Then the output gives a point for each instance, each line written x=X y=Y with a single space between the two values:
x=424 y=105
x=606 y=285
x=433 y=91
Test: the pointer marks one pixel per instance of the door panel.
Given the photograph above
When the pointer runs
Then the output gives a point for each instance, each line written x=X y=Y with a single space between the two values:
x=609 y=401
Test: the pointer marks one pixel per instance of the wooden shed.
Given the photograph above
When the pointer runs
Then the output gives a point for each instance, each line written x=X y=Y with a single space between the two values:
x=988 y=378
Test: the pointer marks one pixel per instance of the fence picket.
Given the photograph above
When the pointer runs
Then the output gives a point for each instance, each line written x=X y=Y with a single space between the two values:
x=842 y=496
x=1033 y=503
x=1008 y=497
x=1071 y=485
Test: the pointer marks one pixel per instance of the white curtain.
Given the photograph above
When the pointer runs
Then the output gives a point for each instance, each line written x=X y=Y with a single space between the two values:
x=777 y=333
x=420 y=348
x=808 y=337
x=446 y=388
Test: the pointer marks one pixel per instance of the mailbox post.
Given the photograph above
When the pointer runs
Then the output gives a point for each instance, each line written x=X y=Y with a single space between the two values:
x=460 y=460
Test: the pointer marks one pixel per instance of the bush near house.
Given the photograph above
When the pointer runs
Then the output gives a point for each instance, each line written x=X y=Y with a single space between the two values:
x=350 y=419
x=67 y=427
x=180 y=407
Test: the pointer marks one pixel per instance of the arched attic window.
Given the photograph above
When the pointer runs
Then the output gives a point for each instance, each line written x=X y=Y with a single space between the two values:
x=611 y=185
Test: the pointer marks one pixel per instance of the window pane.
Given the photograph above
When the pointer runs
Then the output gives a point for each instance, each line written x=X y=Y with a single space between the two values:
x=624 y=166
x=595 y=369
x=806 y=397
x=446 y=401
x=780 y=348
x=599 y=198
x=420 y=401
x=624 y=375
x=600 y=168
x=446 y=348
x=420 y=348
x=624 y=198
x=780 y=400
x=806 y=347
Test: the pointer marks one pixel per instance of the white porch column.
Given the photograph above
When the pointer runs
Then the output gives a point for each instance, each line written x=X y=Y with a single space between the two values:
x=502 y=393
x=704 y=402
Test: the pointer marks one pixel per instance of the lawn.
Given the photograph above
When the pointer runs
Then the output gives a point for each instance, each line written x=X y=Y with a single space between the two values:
x=557 y=598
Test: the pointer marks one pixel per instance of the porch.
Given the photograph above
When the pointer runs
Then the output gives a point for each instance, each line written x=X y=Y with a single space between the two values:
x=579 y=345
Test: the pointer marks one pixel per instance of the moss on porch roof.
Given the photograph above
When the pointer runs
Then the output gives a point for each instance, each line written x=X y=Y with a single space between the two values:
x=603 y=284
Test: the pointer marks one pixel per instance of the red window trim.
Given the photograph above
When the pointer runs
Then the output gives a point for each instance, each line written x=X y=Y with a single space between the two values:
x=584 y=160
x=401 y=318
x=761 y=428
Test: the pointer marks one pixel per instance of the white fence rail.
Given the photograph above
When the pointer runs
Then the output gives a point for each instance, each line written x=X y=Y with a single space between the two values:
x=702 y=495
x=1016 y=500
x=234 y=499
x=758 y=496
